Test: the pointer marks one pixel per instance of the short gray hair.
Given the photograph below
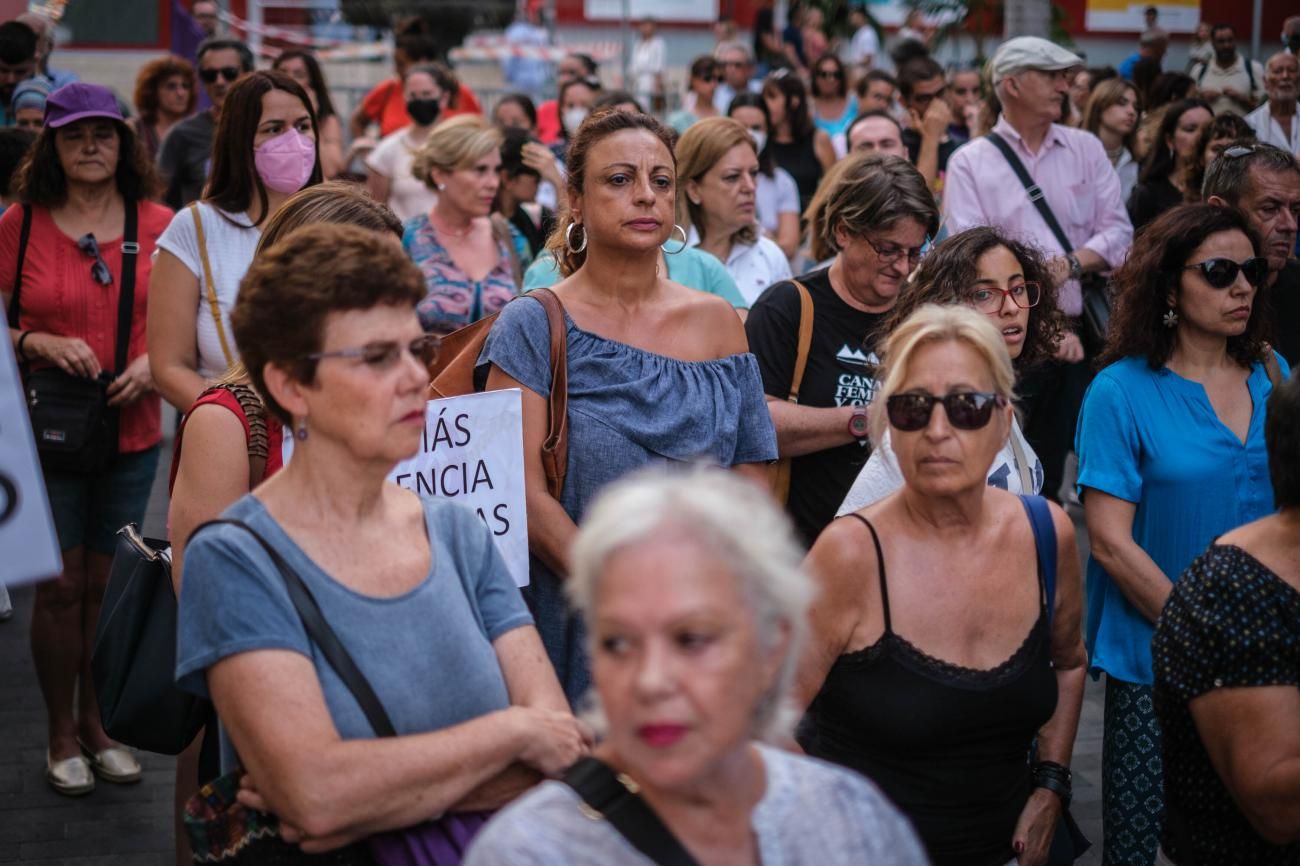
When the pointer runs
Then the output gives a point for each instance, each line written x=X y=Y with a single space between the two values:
x=1228 y=177
x=734 y=519
x=733 y=45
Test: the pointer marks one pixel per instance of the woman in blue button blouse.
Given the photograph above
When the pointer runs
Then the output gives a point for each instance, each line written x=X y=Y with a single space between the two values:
x=1171 y=454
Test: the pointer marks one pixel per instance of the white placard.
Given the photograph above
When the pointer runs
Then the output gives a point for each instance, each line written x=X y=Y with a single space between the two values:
x=29 y=545
x=660 y=10
x=473 y=451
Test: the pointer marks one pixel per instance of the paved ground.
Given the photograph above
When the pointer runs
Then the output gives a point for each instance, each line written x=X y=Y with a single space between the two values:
x=132 y=826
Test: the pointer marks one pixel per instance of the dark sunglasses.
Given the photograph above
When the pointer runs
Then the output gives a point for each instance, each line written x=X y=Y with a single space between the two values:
x=99 y=271
x=707 y=78
x=1222 y=273
x=385 y=355
x=829 y=73
x=229 y=73
x=967 y=410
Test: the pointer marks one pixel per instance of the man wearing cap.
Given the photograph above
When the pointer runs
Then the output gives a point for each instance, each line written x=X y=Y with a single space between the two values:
x=1031 y=77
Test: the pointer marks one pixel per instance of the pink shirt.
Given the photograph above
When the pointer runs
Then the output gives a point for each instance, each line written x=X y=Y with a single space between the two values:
x=1077 y=179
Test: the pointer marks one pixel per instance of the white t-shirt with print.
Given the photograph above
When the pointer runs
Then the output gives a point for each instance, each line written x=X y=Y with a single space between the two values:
x=231 y=240
x=752 y=267
x=392 y=158
x=881 y=476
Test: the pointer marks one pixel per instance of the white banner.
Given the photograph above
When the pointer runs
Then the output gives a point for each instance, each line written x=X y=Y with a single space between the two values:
x=660 y=10
x=473 y=452
x=29 y=545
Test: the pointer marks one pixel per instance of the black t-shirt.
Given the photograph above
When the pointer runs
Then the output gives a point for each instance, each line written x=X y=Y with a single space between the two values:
x=185 y=157
x=1284 y=299
x=841 y=361
x=912 y=141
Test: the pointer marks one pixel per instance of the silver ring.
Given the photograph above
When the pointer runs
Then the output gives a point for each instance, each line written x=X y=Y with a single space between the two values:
x=685 y=243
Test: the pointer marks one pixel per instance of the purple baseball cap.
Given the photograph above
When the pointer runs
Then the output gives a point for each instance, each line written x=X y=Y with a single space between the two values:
x=79 y=100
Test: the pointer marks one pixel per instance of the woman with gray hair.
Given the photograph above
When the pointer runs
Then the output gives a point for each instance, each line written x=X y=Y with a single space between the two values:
x=936 y=684
x=695 y=625
x=814 y=336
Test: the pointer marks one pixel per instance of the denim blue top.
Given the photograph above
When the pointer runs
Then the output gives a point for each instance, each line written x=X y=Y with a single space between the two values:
x=426 y=653
x=628 y=408
x=1151 y=437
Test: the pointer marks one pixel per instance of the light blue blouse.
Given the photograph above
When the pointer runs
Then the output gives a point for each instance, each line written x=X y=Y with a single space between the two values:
x=1151 y=437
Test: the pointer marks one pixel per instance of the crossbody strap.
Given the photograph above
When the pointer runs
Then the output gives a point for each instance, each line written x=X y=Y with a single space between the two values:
x=319 y=631
x=615 y=798
x=1040 y=520
x=557 y=428
x=1035 y=192
x=805 y=340
x=211 y=285
x=126 y=288
x=1022 y=464
x=23 y=236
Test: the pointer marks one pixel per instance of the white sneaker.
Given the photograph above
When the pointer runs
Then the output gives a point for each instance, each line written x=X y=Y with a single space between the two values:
x=6 y=606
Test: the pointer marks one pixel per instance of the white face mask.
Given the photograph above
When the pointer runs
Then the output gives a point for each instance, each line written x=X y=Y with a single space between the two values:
x=760 y=139
x=573 y=118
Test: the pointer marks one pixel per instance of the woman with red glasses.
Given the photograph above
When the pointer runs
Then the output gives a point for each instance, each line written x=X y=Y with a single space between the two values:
x=1007 y=281
x=1171 y=456
x=946 y=637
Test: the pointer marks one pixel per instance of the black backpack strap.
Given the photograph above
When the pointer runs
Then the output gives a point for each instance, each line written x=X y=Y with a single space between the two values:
x=320 y=632
x=126 y=293
x=1035 y=193
x=23 y=236
x=614 y=798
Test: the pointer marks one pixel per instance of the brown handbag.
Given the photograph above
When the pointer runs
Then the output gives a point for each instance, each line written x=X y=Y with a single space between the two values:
x=452 y=374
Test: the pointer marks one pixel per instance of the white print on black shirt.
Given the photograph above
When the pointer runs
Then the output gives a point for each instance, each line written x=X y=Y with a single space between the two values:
x=855 y=389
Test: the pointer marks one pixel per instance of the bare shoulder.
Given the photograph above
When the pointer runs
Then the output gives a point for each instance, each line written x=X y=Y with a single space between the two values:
x=711 y=318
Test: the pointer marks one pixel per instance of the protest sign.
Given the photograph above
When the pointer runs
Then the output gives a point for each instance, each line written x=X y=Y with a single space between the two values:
x=473 y=451
x=29 y=546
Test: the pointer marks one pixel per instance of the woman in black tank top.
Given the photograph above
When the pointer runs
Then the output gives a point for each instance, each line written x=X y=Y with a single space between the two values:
x=934 y=676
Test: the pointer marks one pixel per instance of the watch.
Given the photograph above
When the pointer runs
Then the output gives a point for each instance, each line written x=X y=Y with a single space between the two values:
x=1076 y=269
x=858 y=426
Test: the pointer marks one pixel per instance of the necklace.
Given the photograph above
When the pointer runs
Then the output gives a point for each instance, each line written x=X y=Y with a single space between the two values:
x=459 y=235
x=1115 y=154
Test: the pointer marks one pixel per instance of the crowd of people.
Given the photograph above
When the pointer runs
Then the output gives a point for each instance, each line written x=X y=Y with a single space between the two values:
x=908 y=317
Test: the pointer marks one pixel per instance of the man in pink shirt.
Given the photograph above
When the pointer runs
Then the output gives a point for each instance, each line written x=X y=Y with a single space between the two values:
x=1071 y=170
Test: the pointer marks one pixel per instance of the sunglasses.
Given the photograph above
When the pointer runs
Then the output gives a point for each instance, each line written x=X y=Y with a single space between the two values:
x=967 y=410
x=1222 y=273
x=229 y=73
x=707 y=78
x=989 y=299
x=828 y=73
x=99 y=271
x=385 y=355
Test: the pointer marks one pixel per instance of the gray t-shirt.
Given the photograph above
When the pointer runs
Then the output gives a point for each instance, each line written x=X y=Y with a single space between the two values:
x=427 y=653
x=185 y=157
x=812 y=814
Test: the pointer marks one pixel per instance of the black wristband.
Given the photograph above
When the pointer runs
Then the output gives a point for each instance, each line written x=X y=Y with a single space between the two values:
x=18 y=349
x=1056 y=778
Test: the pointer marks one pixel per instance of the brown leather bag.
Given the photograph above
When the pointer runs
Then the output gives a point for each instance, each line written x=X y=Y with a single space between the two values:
x=452 y=374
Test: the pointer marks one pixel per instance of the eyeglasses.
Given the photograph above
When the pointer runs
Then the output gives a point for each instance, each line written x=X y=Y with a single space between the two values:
x=967 y=410
x=1222 y=273
x=385 y=355
x=890 y=253
x=989 y=299
x=229 y=73
x=707 y=78
x=927 y=98
x=99 y=271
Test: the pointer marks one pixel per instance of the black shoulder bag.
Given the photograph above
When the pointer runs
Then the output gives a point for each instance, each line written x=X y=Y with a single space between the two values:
x=614 y=797
x=75 y=429
x=1096 y=302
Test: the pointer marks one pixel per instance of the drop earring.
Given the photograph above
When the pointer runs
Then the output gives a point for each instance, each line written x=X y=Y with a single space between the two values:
x=1171 y=318
x=301 y=433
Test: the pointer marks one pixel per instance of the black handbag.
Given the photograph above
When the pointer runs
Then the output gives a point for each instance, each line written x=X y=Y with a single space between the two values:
x=134 y=661
x=75 y=428
x=1096 y=300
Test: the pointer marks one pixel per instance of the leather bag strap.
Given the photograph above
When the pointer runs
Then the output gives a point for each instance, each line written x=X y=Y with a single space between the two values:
x=211 y=285
x=614 y=797
x=126 y=284
x=23 y=235
x=557 y=428
x=1035 y=192
x=805 y=340
x=319 y=631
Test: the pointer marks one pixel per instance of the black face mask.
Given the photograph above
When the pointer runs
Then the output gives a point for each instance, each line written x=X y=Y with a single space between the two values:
x=1293 y=43
x=423 y=111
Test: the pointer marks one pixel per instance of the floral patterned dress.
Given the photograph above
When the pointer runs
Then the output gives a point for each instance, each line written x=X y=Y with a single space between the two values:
x=454 y=300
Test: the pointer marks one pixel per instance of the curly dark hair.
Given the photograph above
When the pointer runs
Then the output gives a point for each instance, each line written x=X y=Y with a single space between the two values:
x=153 y=75
x=292 y=288
x=41 y=181
x=949 y=271
x=1154 y=269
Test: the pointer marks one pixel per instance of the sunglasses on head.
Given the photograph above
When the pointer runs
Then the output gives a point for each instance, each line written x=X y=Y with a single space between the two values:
x=966 y=410
x=99 y=271
x=229 y=73
x=385 y=355
x=1222 y=273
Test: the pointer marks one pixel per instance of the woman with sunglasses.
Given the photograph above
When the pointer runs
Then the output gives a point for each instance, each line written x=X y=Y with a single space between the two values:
x=984 y=269
x=84 y=187
x=415 y=589
x=1171 y=455
x=264 y=151
x=946 y=637
x=697 y=104
x=833 y=108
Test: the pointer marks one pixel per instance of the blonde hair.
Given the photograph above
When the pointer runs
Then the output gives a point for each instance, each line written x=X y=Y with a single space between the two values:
x=334 y=202
x=936 y=324
x=702 y=503
x=864 y=193
x=698 y=150
x=455 y=143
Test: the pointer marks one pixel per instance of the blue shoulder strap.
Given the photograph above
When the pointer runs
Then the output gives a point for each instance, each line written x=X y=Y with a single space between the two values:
x=1040 y=519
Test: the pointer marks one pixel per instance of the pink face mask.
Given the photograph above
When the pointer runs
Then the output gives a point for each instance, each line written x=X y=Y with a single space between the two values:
x=285 y=162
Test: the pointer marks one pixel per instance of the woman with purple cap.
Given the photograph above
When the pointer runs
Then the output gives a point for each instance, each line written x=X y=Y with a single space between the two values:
x=82 y=240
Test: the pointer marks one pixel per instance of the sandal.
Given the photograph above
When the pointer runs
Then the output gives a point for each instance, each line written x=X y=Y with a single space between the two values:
x=70 y=777
x=114 y=764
